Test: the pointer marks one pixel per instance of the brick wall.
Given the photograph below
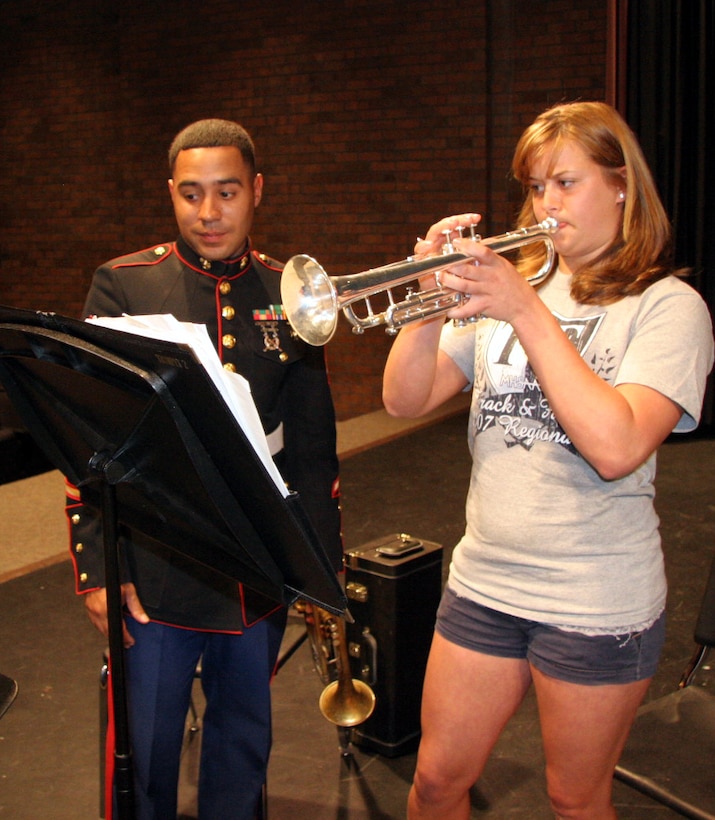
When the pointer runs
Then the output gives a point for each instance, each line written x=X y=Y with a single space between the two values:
x=372 y=119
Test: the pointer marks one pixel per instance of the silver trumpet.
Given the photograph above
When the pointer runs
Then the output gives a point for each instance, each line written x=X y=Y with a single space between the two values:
x=312 y=300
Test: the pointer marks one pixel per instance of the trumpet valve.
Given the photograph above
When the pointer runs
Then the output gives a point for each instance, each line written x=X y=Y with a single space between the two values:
x=448 y=247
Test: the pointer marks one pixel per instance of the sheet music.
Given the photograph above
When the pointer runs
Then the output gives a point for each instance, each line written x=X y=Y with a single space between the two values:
x=233 y=387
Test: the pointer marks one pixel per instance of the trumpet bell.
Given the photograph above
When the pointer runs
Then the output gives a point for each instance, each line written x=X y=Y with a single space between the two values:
x=347 y=704
x=310 y=300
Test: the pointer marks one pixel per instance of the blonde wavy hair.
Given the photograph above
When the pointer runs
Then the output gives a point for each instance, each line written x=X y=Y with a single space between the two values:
x=642 y=253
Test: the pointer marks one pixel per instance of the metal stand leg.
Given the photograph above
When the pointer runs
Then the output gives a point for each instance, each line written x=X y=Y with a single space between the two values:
x=123 y=774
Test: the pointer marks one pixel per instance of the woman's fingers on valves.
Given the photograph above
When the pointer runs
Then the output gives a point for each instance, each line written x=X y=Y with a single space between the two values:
x=443 y=230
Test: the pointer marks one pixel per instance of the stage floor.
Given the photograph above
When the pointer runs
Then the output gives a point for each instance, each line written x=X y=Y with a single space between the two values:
x=415 y=483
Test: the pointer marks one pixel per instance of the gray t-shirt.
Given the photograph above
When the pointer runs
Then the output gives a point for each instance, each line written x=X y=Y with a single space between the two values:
x=547 y=538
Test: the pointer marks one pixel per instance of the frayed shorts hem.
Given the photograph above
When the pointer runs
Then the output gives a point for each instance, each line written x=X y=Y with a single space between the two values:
x=568 y=656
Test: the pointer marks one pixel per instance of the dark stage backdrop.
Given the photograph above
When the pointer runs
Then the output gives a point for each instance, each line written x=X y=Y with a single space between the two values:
x=668 y=98
x=372 y=120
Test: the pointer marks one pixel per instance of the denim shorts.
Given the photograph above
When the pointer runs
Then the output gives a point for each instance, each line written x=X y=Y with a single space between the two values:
x=567 y=656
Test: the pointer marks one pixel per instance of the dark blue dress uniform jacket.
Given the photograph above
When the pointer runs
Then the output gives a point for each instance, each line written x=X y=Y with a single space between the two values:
x=239 y=302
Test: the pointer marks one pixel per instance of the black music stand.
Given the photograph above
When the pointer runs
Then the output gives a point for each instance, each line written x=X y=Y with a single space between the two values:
x=140 y=427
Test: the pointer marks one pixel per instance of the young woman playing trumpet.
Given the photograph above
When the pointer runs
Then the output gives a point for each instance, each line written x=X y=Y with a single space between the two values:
x=558 y=582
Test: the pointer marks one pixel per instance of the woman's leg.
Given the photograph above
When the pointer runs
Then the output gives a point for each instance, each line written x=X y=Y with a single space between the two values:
x=468 y=697
x=584 y=730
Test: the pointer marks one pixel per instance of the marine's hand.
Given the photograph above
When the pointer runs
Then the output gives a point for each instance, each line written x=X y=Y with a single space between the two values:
x=96 y=605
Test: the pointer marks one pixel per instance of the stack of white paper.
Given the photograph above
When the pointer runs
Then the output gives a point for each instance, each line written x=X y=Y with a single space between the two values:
x=234 y=389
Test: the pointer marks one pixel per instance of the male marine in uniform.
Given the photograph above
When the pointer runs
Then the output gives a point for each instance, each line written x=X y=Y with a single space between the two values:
x=177 y=610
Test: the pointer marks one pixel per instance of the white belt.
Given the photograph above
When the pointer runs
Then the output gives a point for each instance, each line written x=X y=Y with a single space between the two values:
x=275 y=440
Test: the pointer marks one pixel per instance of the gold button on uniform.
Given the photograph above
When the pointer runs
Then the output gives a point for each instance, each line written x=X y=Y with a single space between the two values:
x=83 y=577
x=79 y=548
x=228 y=312
x=227 y=340
x=224 y=287
x=230 y=366
x=75 y=518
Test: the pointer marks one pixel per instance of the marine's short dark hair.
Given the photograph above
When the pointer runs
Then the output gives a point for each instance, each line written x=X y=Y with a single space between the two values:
x=214 y=133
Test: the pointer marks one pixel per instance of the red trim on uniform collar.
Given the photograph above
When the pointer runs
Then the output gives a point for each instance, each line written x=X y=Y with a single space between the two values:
x=191 y=259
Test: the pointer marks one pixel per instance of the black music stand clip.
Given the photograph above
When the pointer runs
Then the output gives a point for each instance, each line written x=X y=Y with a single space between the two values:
x=138 y=424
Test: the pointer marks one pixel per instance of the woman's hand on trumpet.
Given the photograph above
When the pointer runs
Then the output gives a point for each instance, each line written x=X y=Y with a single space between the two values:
x=437 y=235
x=434 y=241
x=491 y=284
